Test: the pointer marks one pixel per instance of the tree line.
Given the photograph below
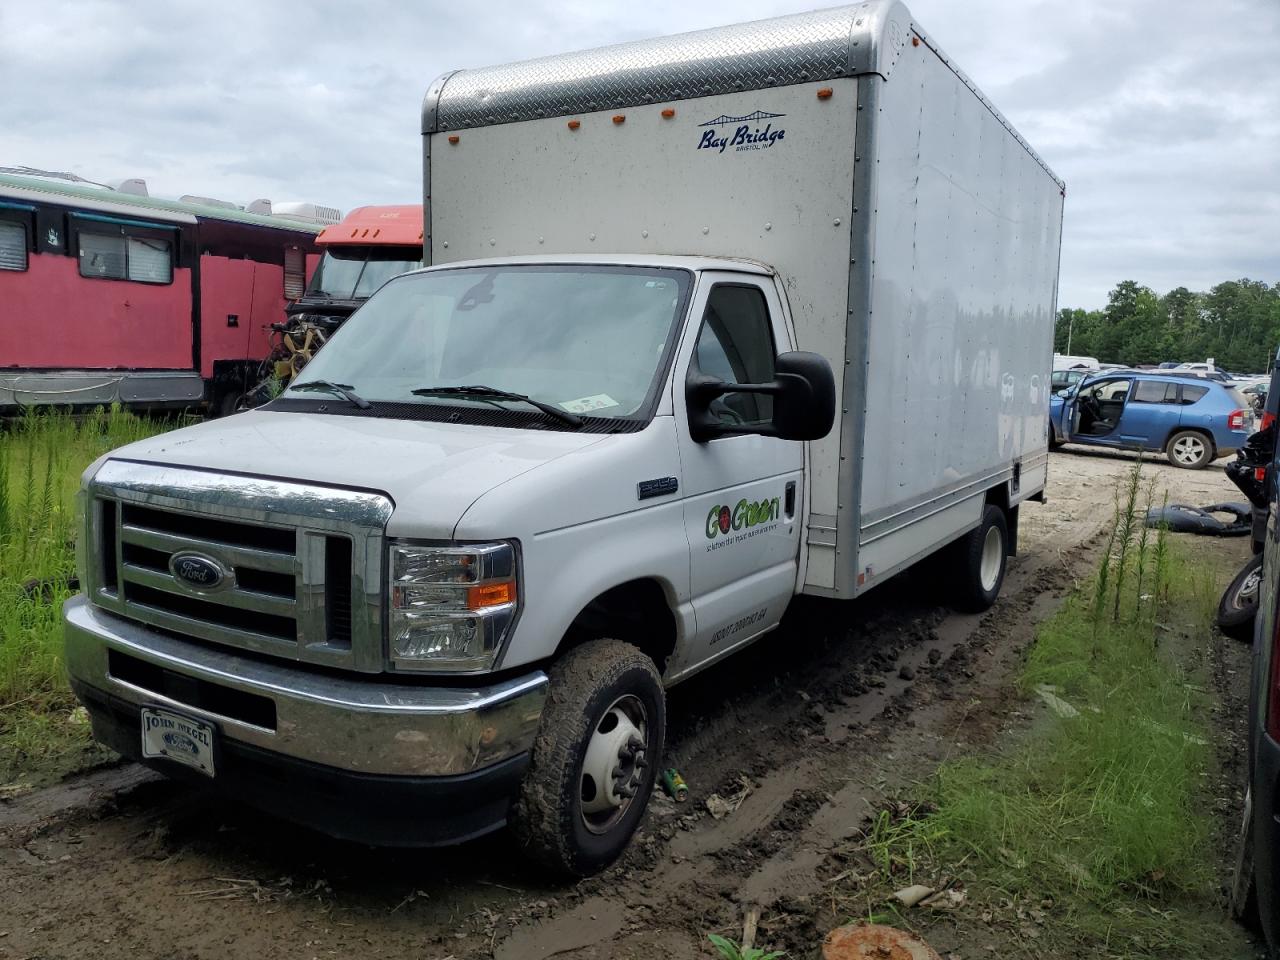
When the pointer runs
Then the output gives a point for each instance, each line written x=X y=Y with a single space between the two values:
x=1237 y=323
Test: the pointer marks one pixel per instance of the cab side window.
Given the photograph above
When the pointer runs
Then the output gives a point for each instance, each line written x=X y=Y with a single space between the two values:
x=736 y=346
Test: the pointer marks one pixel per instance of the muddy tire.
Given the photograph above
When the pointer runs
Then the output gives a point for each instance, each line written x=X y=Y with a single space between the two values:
x=594 y=760
x=1239 y=603
x=1242 y=898
x=1189 y=449
x=978 y=561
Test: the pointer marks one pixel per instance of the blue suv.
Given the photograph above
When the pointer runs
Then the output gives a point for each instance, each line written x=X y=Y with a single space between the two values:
x=1190 y=419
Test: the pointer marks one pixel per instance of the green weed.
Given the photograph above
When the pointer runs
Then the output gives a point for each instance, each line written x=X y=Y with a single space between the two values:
x=42 y=455
x=1101 y=806
x=731 y=951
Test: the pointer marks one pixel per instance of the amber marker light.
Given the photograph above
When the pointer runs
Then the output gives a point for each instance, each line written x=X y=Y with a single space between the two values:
x=574 y=124
x=491 y=595
x=668 y=113
x=825 y=93
x=619 y=117
x=454 y=138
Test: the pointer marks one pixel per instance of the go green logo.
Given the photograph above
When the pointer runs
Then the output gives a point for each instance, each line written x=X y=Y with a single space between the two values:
x=745 y=514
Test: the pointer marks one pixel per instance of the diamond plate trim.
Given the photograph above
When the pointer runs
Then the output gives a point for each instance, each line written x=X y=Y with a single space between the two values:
x=822 y=45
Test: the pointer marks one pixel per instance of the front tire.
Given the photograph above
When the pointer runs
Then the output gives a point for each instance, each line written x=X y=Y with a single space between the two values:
x=1189 y=449
x=1239 y=603
x=980 y=557
x=595 y=758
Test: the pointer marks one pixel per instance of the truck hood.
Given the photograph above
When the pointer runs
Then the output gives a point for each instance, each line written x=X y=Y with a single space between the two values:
x=445 y=465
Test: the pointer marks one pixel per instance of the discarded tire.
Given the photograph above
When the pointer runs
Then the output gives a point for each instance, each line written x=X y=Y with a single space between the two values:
x=1239 y=603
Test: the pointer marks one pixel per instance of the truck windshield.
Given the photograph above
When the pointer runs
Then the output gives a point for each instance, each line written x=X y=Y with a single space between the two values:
x=589 y=340
x=354 y=273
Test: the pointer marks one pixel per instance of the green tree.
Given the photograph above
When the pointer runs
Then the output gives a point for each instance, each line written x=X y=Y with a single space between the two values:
x=1237 y=323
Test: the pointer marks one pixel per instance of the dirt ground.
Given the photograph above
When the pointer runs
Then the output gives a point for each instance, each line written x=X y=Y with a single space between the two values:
x=817 y=724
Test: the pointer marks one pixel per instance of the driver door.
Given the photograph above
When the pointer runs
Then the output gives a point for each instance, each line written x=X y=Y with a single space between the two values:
x=742 y=492
x=1094 y=413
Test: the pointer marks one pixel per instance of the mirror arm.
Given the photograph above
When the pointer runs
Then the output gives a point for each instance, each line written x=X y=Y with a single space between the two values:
x=707 y=389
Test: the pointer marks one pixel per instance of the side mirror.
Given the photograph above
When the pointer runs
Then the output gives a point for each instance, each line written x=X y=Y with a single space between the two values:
x=804 y=401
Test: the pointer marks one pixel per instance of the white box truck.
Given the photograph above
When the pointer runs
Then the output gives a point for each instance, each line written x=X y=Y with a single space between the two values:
x=710 y=321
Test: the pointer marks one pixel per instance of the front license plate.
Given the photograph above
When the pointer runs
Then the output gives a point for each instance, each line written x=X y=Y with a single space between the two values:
x=178 y=738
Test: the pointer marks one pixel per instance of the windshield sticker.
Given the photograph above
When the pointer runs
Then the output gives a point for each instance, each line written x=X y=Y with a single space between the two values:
x=587 y=404
x=755 y=131
x=727 y=525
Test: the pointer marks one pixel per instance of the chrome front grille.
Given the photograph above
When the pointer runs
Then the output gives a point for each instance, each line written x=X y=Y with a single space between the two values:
x=299 y=566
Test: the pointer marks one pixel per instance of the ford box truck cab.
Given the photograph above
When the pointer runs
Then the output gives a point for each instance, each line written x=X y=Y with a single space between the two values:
x=709 y=322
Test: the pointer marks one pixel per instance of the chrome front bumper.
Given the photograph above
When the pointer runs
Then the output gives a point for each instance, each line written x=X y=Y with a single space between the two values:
x=357 y=723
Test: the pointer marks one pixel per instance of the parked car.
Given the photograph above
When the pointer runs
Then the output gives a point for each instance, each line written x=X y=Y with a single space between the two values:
x=1066 y=379
x=1190 y=419
x=1068 y=361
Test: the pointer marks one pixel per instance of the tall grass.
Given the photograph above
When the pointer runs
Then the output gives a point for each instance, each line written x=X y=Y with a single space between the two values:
x=42 y=455
x=1103 y=802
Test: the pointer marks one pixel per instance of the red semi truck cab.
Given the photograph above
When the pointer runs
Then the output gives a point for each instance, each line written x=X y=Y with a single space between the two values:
x=369 y=247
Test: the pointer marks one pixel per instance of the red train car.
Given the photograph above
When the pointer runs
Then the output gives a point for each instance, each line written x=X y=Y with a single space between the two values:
x=109 y=296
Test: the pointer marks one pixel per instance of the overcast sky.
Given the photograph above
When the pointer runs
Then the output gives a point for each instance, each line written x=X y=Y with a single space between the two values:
x=1163 y=116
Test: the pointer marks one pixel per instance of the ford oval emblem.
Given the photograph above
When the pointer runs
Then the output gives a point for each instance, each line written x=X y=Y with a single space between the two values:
x=199 y=572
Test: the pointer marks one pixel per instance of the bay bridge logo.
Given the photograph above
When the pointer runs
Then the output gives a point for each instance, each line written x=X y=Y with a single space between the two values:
x=748 y=134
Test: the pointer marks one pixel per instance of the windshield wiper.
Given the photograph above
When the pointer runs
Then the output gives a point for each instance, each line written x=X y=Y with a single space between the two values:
x=493 y=393
x=341 y=389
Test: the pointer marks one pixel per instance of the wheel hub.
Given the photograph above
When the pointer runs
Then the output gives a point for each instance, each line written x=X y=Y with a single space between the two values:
x=989 y=569
x=1188 y=450
x=614 y=764
x=1249 y=589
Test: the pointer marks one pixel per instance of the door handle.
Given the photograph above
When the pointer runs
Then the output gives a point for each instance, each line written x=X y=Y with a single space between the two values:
x=790 y=499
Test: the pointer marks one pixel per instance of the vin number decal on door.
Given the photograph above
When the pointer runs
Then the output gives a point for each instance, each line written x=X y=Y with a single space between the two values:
x=738 y=625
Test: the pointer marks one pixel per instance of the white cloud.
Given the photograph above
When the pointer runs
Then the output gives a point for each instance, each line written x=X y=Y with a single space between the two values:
x=1161 y=116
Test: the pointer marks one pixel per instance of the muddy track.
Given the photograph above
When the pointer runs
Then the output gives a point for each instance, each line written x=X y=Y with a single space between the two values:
x=817 y=725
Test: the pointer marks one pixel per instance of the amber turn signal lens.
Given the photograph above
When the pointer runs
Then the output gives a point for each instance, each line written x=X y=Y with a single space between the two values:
x=490 y=595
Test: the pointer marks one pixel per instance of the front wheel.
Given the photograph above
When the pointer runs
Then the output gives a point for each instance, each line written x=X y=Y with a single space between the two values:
x=1239 y=603
x=1189 y=449
x=594 y=760
x=979 y=558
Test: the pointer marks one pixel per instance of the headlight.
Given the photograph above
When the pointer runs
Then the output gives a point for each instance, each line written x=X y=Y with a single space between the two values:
x=451 y=606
